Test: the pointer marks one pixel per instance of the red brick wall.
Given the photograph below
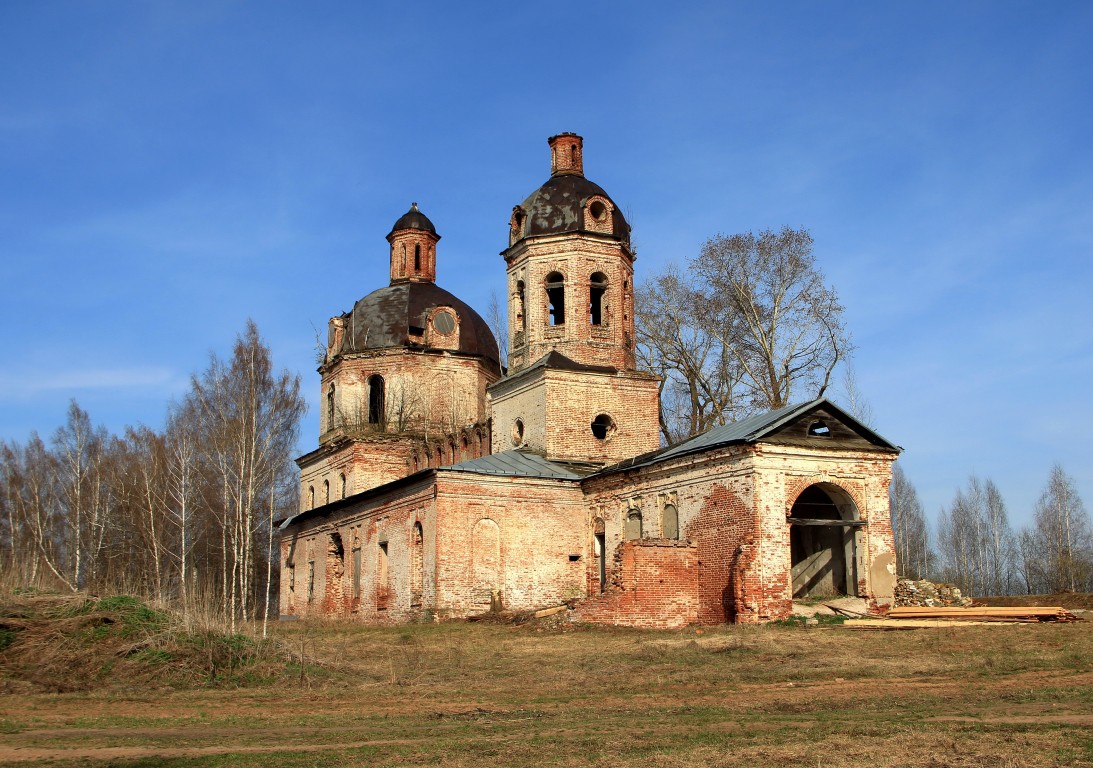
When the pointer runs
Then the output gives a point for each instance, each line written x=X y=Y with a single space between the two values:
x=654 y=583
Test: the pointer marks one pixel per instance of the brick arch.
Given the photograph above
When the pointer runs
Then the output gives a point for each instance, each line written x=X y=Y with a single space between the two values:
x=852 y=490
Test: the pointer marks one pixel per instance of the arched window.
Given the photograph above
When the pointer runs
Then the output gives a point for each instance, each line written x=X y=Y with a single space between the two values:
x=417 y=256
x=669 y=522
x=464 y=445
x=311 y=497
x=633 y=525
x=555 y=288
x=330 y=407
x=342 y=483
x=402 y=264
x=439 y=456
x=377 y=413
x=596 y=289
x=326 y=491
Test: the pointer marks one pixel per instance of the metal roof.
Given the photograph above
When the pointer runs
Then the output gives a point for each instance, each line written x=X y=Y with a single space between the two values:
x=749 y=430
x=385 y=317
x=517 y=463
x=558 y=206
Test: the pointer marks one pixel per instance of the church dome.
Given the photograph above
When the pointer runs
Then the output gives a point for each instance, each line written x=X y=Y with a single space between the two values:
x=413 y=219
x=397 y=316
x=558 y=207
x=567 y=202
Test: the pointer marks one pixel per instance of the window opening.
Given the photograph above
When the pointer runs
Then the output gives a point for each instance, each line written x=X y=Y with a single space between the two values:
x=311 y=497
x=555 y=288
x=601 y=555
x=326 y=491
x=598 y=210
x=603 y=426
x=376 y=410
x=417 y=565
x=520 y=305
x=518 y=432
x=357 y=572
x=292 y=577
x=342 y=484
x=310 y=580
x=819 y=429
x=383 y=587
x=633 y=525
x=330 y=407
x=417 y=257
x=596 y=290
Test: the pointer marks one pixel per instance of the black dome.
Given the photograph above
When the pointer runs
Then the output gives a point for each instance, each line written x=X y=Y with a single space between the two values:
x=383 y=319
x=558 y=205
x=414 y=219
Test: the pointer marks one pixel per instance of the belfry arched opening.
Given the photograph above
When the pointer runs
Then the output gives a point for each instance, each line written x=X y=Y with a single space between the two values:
x=823 y=542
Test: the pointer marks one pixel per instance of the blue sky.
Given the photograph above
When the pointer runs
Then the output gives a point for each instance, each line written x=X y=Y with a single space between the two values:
x=168 y=170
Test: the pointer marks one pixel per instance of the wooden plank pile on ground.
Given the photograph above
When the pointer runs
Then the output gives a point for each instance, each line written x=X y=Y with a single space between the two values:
x=914 y=617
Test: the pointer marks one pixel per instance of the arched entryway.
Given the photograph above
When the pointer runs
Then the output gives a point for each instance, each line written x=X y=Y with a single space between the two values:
x=824 y=526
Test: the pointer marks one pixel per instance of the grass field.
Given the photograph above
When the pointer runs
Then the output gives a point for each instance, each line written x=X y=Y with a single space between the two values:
x=544 y=694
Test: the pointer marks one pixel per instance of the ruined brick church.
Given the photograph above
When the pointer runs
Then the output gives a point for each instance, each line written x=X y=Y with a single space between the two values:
x=445 y=486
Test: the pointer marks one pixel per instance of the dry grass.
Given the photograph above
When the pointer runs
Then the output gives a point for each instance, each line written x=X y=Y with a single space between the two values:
x=550 y=694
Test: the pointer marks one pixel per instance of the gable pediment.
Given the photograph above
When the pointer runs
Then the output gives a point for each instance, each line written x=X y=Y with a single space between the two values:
x=825 y=426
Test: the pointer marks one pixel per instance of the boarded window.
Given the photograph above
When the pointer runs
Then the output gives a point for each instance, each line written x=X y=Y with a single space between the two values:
x=670 y=522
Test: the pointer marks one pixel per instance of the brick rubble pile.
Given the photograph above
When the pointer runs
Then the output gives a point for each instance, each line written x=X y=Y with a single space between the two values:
x=927 y=594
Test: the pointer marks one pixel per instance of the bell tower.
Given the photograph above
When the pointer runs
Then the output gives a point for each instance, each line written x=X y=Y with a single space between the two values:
x=570 y=269
x=573 y=391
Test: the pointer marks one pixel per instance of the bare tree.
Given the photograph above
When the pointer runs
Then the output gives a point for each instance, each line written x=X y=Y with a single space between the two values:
x=699 y=378
x=977 y=545
x=249 y=423
x=914 y=555
x=498 y=319
x=767 y=302
x=1063 y=536
x=751 y=326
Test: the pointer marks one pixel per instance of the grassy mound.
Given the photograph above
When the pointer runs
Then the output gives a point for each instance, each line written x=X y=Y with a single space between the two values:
x=71 y=643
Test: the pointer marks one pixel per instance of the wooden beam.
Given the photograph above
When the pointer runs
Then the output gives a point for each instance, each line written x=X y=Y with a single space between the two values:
x=829 y=523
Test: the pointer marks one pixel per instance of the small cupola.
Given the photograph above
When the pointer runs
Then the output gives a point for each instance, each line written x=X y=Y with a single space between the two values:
x=566 y=155
x=413 y=241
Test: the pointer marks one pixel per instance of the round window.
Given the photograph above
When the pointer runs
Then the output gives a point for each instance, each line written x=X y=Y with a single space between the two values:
x=598 y=210
x=603 y=426
x=444 y=322
x=518 y=432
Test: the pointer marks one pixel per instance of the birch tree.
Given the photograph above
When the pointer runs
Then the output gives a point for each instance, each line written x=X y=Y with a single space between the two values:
x=1064 y=537
x=914 y=556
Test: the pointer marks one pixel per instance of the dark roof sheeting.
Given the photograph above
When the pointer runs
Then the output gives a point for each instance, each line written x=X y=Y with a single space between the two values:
x=557 y=207
x=517 y=463
x=383 y=319
x=413 y=219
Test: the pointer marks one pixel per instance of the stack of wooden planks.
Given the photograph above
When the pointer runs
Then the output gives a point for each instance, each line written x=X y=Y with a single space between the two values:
x=911 y=617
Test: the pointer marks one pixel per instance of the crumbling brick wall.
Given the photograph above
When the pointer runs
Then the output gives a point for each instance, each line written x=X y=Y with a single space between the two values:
x=654 y=583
